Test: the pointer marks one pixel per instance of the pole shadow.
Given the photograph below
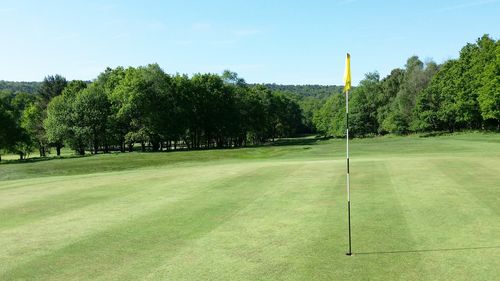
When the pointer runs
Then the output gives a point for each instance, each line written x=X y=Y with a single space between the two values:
x=426 y=250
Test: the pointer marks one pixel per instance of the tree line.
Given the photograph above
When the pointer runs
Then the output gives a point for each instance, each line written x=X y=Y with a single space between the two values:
x=460 y=94
x=24 y=87
x=144 y=107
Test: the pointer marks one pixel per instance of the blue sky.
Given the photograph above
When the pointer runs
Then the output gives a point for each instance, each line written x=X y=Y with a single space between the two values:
x=288 y=42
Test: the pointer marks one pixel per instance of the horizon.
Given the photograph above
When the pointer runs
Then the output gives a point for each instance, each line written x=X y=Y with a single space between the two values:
x=264 y=43
x=189 y=75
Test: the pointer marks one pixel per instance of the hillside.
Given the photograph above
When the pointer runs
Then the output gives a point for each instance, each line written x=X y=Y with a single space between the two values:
x=25 y=87
x=315 y=91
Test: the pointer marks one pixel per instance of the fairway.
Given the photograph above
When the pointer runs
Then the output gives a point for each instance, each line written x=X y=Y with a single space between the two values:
x=422 y=209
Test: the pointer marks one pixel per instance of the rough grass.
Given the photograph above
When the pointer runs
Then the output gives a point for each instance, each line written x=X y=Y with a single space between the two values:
x=423 y=209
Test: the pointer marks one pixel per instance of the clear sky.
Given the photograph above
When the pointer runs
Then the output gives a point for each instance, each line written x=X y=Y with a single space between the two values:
x=288 y=42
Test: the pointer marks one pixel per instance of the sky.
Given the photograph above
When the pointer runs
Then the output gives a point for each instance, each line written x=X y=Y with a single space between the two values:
x=264 y=41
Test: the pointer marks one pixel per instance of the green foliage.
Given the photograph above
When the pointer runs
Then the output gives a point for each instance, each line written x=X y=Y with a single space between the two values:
x=32 y=122
x=321 y=92
x=51 y=87
x=23 y=87
x=142 y=104
x=57 y=122
x=145 y=105
x=9 y=131
x=90 y=111
x=416 y=78
x=13 y=137
x=310 y=98
x=330 y=118
x=464 y=94
x=460 y=94
x=489 y=91
x=387 y=117
x=363 y=106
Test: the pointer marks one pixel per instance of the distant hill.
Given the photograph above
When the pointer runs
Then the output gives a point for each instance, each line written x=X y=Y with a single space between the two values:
x=25 y=87
x=313 y=91
x=303 y=91
x=309 y=97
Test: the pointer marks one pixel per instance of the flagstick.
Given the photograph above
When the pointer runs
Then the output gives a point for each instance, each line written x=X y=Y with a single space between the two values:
x=348 y=181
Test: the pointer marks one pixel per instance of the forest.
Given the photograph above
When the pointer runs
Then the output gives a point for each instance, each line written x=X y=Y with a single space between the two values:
x=147 y=109
x=144 y=106
x=460 y=94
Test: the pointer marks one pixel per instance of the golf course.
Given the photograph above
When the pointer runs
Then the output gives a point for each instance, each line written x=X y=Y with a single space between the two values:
x=423 y=208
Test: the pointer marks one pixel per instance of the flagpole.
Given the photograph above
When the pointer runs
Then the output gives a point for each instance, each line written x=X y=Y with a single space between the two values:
x=347 y=86
x=349 y=252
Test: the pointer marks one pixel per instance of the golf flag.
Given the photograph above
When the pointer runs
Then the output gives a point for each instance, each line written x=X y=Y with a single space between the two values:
x=347 y=73
x=347 y=86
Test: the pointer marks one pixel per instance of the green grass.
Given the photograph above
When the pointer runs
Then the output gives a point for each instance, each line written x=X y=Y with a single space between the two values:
x=423 y=209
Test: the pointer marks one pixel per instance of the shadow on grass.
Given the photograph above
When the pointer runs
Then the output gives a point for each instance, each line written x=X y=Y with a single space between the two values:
x=435 y=134
x=41 y=159
x=296 y=141
x=427 y=250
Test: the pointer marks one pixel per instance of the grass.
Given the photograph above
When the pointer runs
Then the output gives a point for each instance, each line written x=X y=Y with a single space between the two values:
x=423 y=209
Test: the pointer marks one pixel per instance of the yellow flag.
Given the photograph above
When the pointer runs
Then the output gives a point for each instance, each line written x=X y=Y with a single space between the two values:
x=347 y=73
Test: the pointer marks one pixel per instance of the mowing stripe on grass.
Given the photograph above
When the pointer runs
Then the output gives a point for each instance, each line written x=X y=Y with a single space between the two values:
x=57 y=231
x=261 y=239
x=425 y=209
x=150 y=235
x=476 y=179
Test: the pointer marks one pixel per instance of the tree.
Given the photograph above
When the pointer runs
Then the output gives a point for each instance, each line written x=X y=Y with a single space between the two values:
x=253 y=114
x=330 y=119
x=401 y=117
x=58 y=124
x=142 y=100
x=387 y=120
x=21 y=101
x=232 y=78
x=9 y=132
x=13 y=138
x=435 y=106
x=109 y=80
x=211 y=102
x=464 y=92
x=183 y=110
x=90 y=115
x=51 y=87
x=489 y=81
x=364 y=106
x=32 y=121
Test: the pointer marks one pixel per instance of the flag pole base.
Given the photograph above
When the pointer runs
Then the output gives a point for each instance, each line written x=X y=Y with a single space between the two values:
x=348 y=254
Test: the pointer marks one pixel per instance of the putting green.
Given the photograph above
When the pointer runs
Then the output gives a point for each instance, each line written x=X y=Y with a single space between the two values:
x=422 y=209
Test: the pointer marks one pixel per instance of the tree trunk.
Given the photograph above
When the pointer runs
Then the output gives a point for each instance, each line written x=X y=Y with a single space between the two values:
x=155 y=145
x=58 y=150
x=42 y=151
